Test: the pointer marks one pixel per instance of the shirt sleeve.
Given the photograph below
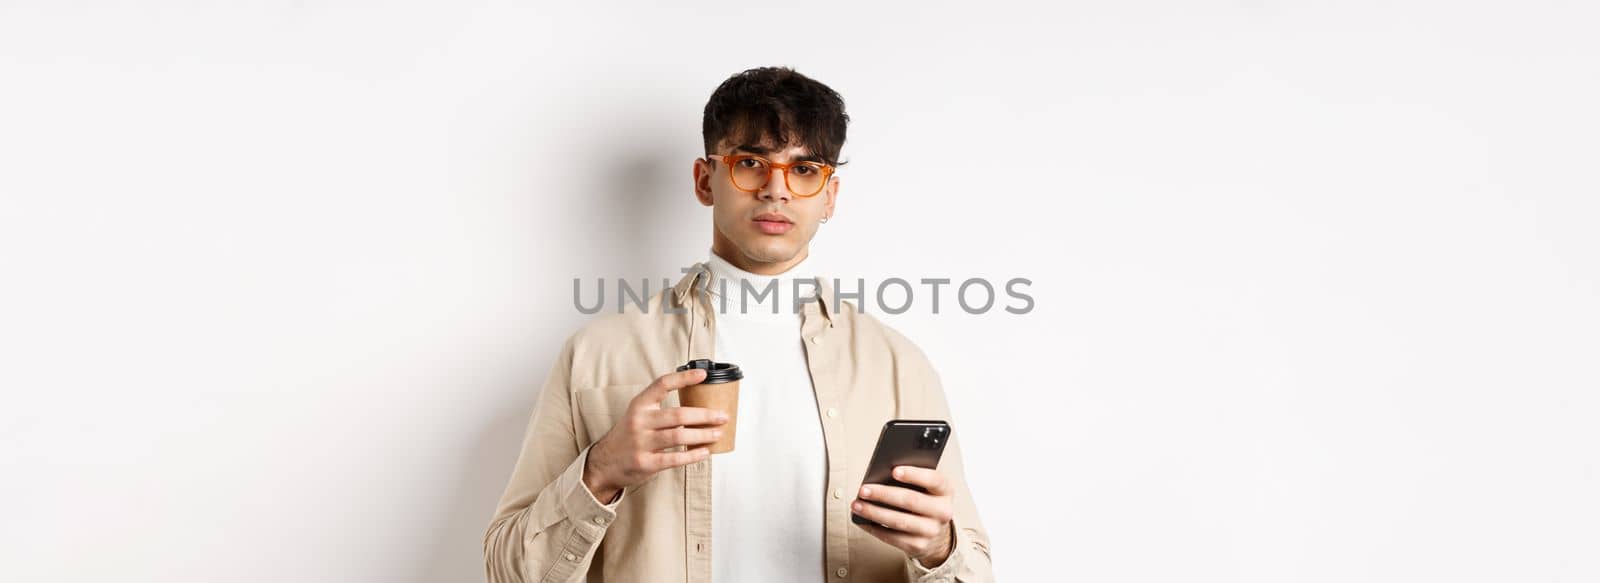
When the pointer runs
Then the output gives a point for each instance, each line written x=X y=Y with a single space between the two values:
x=548 y=524
x=969 y=561
x=952 y=569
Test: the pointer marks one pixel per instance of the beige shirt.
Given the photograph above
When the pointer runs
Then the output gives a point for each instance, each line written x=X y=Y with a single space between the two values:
x=549 y=527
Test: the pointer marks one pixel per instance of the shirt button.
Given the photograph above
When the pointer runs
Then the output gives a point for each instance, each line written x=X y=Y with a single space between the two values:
x=816 y=340
x=572 y=557
x=838 y=493
x=600 y=520
x=842 y=572
x=832 y=412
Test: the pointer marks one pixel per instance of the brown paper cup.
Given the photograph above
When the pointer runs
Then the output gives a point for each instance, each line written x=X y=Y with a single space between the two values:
x=719 y=391
x=722 y=397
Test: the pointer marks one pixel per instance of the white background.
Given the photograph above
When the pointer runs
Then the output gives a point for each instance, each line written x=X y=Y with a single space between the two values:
x=1316 y=282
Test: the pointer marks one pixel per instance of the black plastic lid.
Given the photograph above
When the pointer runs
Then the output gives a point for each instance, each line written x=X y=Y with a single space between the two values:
x=716 y=372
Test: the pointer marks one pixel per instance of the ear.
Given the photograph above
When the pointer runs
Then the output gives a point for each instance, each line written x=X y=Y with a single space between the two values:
x=831 y=191
x=702 y=180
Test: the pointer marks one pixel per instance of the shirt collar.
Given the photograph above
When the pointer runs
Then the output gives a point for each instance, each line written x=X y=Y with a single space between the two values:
x=701 y=275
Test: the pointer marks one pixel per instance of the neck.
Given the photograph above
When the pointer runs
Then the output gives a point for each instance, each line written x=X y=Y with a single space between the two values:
x=750 y=296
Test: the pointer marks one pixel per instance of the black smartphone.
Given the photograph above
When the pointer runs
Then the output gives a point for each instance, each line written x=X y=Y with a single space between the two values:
x=904 y=442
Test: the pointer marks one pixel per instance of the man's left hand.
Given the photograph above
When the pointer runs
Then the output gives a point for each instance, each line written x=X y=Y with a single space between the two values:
x=919 y=524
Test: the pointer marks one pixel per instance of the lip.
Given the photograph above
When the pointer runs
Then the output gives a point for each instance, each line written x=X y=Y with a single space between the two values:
x=773 y=223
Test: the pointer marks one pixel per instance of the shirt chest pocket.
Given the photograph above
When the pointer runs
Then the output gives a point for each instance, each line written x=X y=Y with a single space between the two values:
x=602 y=407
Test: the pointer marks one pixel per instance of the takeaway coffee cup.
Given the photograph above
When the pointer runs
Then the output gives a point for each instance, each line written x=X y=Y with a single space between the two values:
x=719 y=391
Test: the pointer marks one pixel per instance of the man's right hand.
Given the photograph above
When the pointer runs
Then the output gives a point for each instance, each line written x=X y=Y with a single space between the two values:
x=632 y=450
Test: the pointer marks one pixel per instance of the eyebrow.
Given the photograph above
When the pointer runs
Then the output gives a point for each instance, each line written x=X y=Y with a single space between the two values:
x=754 y=149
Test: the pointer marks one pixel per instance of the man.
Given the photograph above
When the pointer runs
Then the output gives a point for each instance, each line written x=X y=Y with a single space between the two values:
x=615 y=482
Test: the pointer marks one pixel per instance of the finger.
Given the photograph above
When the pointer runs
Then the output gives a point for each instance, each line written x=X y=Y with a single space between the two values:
x=931 y=480
x=895 y=519
x=678 y=416
x=682 y=436
x=658 y=389
x=910 y=501
x=669 y=460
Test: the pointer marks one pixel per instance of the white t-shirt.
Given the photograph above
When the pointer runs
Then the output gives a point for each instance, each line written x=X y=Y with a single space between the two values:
x=767 y=494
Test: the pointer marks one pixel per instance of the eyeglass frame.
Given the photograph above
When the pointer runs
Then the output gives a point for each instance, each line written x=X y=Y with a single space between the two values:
x=731 y=159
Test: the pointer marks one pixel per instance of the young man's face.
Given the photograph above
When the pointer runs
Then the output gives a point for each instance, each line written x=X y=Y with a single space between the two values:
x=766 y=231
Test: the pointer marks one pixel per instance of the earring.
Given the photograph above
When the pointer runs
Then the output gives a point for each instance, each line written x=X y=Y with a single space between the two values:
x=825 y=219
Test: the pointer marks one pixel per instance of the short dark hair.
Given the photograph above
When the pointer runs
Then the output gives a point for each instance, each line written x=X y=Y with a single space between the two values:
x=780 y=104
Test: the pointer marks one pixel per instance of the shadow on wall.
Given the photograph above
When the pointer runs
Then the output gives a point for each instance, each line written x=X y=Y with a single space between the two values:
x=635 y=223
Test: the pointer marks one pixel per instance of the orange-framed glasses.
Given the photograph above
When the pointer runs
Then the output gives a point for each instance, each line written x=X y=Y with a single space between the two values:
x=750 y=173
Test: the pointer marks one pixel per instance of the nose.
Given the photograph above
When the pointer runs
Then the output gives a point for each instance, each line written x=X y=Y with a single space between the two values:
x=776 y=189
